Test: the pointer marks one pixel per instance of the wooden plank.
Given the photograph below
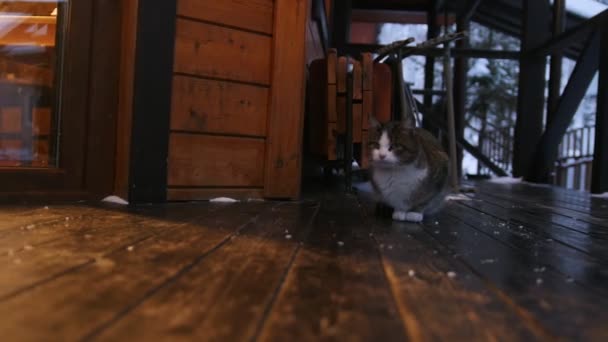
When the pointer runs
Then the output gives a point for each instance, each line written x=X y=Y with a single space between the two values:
x=332 y=143
x=246 y=272
x=341 y=113
x=417 y=269
x=32 y=265
x=202 y=160
x=383 y=89
x=357 y=122
x=368 y=108
x=332 y=64
x=357 y=81
x=341 y=70
x=336 y=289
x=558 y=306
x=208 y=50
x=125 y=97
x=285 y=122
x=253 y=15
x=210 y=106
x=198 y=194
x=332 y=114
x=367 y=63
x=556 y=247
x=364 y=150
x=316 y=107
x=123 y=278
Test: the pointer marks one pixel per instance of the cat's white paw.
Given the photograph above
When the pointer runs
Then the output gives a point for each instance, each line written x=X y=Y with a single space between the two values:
x=399 y=215
x=414 y=217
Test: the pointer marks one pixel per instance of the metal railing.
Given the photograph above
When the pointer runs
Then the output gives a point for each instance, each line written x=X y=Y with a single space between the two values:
x=575 y=159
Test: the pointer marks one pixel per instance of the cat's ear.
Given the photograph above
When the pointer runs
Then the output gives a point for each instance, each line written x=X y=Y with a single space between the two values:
x=373 y=122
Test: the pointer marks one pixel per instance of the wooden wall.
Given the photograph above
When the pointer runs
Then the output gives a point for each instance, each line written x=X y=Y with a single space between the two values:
x=237 y=99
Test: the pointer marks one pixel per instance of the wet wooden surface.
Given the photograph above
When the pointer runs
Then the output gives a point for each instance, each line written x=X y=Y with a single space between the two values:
x=506 y=263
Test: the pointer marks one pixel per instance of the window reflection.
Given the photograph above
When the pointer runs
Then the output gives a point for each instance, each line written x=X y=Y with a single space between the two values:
x=28 y=60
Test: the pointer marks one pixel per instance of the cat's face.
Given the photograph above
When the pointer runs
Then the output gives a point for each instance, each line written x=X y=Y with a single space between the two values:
x=392 y=144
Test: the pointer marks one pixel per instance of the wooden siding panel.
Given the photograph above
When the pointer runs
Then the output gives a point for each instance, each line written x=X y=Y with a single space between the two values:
x=212 y=51
x=211 y=106
x=255 y=15
x=284 y=141
x=202 y=160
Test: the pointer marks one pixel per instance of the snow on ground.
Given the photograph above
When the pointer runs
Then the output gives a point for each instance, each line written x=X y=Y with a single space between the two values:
x=604 y=195
x=585 y=8
x=457 y=197
x=505 y=180
x=115 y=200
x=223 y=200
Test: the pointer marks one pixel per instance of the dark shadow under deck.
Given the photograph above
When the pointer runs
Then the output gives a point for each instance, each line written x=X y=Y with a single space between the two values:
x=511 y=262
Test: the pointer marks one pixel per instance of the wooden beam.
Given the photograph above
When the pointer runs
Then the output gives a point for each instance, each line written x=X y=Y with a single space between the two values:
x=599 y=178
x=546 y=151
x=153 y=76
x=285 y=118
x=570 y=36
x=460 y=86
x=355 y=49
x=531 y=98
x=555 y=73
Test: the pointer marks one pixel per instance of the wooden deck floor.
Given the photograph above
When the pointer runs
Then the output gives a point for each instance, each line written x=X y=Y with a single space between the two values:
x=513 y=263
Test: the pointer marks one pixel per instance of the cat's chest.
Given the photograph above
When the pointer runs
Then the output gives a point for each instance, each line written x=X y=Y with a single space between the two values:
x=397 y=184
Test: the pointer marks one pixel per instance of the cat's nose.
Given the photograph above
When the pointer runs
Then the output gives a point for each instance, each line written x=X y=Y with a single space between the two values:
x=382 y=156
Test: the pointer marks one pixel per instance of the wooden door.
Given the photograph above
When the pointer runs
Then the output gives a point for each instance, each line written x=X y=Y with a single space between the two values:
x=49 y=88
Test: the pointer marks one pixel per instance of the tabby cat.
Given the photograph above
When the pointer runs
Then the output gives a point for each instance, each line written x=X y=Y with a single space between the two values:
x=409 y=169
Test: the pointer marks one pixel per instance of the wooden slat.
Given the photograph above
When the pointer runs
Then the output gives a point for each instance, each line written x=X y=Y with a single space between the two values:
x=341 y=113
x=332 y=115
x=114 y=281
x=546 y=297
x=332 y=144
x=368 y=108
x=323 y=297
x=197 y=194
x=357 y=122
x=255 y=15
x=201 y=160
x=357 y=81
x=211 y=106
x=332 y=63
x=364 y=150
x=254 y=262
x=125 y=97
x=341 y=70
x=208 y=50
x=367 y=63
x=417 y=269
x=383 y=88
x=317 y=108
x=285 y=121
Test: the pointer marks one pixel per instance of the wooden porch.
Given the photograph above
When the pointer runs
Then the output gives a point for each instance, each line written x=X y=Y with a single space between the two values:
x=508 y=262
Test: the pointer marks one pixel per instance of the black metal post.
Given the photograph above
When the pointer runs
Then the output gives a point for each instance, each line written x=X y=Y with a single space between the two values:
x=531 y=98
x=460 y=87
x=599 y=178
x=555 y=74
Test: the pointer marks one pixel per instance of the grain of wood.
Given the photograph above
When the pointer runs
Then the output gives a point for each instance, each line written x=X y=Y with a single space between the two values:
x=255 y=15
x=211 y=106
x=202 y=160
x=208 y=50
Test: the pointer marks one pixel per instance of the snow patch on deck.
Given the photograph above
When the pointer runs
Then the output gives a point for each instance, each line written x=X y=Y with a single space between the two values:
x=223 y=200
x=506 y=180
x=604 y=195
x=115 y=200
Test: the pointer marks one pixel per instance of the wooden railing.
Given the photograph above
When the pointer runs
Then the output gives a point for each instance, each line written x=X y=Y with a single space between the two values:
x=575 y=159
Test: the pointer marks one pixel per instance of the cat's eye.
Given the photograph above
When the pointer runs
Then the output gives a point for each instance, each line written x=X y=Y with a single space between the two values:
x=373 y=145
x=390 y=148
